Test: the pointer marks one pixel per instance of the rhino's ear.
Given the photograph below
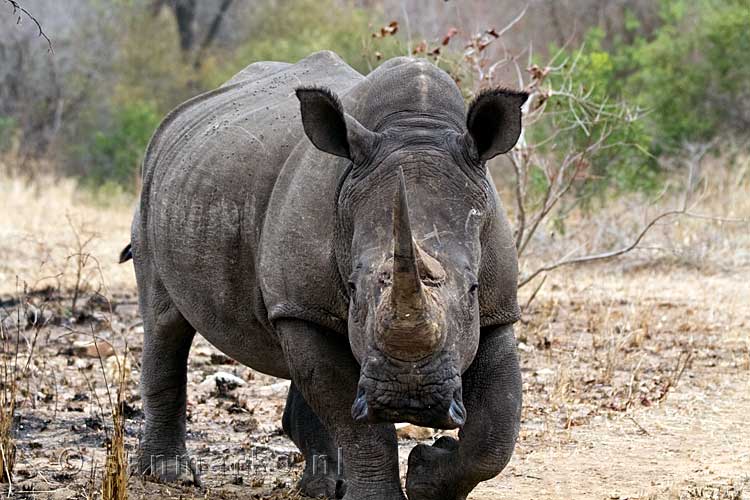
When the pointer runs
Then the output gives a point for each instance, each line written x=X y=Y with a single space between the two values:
x=494 y=122
x=330 y=129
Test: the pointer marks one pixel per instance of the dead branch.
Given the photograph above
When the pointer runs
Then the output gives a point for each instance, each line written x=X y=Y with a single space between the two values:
x=551 y=200
x=533 y=294
x=477 y=55
x=18 y=10
x=632 y=246
x=520 y=196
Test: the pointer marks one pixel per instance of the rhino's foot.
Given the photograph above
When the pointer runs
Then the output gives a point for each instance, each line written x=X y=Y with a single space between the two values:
x=374 y=492
x=321 y=486
x=432 y=473
x=175 y=470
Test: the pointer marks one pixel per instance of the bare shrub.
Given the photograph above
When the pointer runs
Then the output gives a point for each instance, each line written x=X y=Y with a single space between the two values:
x=82 y=262
x=577 y=142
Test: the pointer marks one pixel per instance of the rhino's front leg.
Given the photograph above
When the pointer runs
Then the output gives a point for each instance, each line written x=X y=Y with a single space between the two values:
x=326 y=373
x=450 y=469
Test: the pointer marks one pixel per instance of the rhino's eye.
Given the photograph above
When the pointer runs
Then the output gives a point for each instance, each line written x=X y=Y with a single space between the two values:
x=352 y=287
x=473 y=288
x=384 y=278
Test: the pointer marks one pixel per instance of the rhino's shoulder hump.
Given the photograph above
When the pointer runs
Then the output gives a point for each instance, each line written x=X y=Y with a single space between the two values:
x=324 y=59
x=256 y=71
x=262 y=69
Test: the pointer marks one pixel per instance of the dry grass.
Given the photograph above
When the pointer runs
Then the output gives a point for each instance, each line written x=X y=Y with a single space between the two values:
x=39 y=236
x=696 y=243
x=15 y=362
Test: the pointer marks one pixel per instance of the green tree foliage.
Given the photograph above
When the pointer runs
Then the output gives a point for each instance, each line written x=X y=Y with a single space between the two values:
x=686 y=81
x=289 y=30
x=139 y=83
x=146 y=80
x=693 y=75
x=115 y=152
x=7 y=131
x=689 y=74
x=584 y=113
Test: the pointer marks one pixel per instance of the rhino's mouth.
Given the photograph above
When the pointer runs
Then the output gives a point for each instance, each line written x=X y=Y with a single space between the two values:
x=426 y=394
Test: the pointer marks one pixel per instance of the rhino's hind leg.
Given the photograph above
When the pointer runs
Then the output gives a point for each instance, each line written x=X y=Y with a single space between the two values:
x=162 y=454
x=323 y=475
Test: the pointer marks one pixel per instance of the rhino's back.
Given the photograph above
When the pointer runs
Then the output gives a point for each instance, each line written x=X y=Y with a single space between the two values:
x=207 y=177
x=241 y=132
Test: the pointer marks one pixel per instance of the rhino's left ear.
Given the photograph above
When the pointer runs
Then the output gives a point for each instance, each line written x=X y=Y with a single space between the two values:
x=330 y=129
x=494 y=121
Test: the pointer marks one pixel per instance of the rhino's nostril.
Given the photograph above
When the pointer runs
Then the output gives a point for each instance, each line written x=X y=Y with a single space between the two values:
x=457 y=412
x=360 y=410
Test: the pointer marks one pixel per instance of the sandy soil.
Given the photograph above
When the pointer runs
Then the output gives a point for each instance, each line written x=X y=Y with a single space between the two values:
x=636 y=376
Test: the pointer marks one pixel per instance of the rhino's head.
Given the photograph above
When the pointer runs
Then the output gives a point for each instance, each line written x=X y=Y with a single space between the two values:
x=412 y=207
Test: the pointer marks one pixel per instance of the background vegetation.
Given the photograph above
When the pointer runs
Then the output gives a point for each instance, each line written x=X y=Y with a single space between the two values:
x=119 y=66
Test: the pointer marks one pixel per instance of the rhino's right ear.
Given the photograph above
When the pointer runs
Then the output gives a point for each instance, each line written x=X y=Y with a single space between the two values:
x=330 y=129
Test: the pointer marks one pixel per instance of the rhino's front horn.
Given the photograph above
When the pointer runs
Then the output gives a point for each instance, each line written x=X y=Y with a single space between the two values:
x=409 y=319
x=407 y=286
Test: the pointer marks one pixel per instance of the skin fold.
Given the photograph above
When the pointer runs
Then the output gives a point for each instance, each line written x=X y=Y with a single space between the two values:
x=340 y=231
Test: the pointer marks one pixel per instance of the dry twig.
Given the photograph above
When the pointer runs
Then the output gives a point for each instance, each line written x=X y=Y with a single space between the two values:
x=584 y=259
x=17 y=8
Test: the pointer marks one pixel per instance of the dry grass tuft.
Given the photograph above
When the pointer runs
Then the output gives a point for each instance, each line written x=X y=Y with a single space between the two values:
x=7 y=444
x=7 y=410
x=116 y=369
x=115 y=481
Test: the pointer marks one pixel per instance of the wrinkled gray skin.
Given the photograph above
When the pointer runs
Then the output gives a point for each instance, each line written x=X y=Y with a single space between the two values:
x=340 y=231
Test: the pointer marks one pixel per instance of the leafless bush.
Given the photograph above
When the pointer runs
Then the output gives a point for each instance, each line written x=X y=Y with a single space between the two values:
x=82 y=261
x=561 y=144
x=40 y=90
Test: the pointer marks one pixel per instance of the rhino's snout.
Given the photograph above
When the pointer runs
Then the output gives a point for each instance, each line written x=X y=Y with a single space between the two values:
x=427 y=394
x=434 y=416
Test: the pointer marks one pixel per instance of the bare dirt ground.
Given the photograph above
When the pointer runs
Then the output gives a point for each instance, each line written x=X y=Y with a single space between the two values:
x=636 y=372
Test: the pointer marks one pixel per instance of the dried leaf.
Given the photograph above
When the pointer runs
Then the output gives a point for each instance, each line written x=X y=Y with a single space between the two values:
x=420 y=48
x=451 y=33
x=387 y=30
